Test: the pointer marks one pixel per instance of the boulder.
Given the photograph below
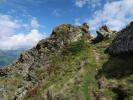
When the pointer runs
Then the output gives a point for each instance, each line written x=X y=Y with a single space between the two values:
x=103 y=33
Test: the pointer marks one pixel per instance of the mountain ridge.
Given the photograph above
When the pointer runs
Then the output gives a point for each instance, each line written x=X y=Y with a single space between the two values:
x=69 y=65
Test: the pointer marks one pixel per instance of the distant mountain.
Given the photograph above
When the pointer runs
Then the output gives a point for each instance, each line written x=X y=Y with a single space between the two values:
x=7 y=57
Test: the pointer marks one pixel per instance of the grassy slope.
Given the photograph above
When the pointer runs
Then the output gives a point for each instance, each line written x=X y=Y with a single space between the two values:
x=74 y=74
x=117 y=73
x=71 y=75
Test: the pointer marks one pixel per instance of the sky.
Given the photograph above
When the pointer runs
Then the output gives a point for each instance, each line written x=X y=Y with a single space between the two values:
x=24 y=22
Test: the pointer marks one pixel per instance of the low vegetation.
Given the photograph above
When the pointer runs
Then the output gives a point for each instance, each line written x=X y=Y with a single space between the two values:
x=78 y=70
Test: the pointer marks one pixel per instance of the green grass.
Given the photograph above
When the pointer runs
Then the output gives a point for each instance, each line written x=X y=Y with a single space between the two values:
x=11 y=82
x=89 y=80
x=64 y=67
x=72 y=73
x=117 y=70
x=64 y=73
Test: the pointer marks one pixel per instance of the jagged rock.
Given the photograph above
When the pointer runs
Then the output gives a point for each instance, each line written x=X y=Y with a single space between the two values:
x=20 y=93
x=123 y=43
x=64 y=35
x=103 y=33
x=3 y=72
x=98 y=96
x=67 y=33
x=102 y=83
x=3 y=93
x=85 y=27
x=24 y=57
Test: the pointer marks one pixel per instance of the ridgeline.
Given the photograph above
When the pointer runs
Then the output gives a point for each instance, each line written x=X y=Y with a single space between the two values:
x=71 y=65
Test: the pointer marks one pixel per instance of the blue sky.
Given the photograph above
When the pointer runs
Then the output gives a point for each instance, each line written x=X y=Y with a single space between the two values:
x=24 y=22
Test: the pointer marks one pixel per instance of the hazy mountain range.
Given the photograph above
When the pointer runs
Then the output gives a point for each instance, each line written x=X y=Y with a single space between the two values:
x=7 y=57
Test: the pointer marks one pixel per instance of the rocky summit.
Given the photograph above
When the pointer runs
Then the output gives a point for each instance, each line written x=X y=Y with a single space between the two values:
x=103 y=33
x=123 y=43
x=68 y=66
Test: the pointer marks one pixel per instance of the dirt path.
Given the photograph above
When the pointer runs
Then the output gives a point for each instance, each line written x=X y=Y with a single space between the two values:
x=97 y=57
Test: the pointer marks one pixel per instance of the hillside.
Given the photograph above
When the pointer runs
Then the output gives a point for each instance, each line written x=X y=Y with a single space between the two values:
x=70 y=65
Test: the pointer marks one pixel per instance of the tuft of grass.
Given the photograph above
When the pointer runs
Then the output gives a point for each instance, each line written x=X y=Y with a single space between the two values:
x=74 y=48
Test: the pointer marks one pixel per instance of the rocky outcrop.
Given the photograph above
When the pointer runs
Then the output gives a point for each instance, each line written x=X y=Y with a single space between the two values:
x=3 y=72
x=40 y=58
x=102 y=34
x=123 y=43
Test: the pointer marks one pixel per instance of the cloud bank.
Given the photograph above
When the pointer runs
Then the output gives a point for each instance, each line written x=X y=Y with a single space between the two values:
x=91 y=3
x=11 y=39
x=115 y=14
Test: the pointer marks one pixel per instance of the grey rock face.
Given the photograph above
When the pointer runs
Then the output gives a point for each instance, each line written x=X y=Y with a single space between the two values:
x=3 y=72
x=103 y=33
x=123 y=43
x=3 y=93
x=67 y=33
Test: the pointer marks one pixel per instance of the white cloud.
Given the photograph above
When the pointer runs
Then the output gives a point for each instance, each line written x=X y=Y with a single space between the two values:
x=81 y=3
x=116 y=14
x=10 y=38
x=34 y=23
x=56 y=12
x=90 y=3
x=7 y=25
x=19 y=41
